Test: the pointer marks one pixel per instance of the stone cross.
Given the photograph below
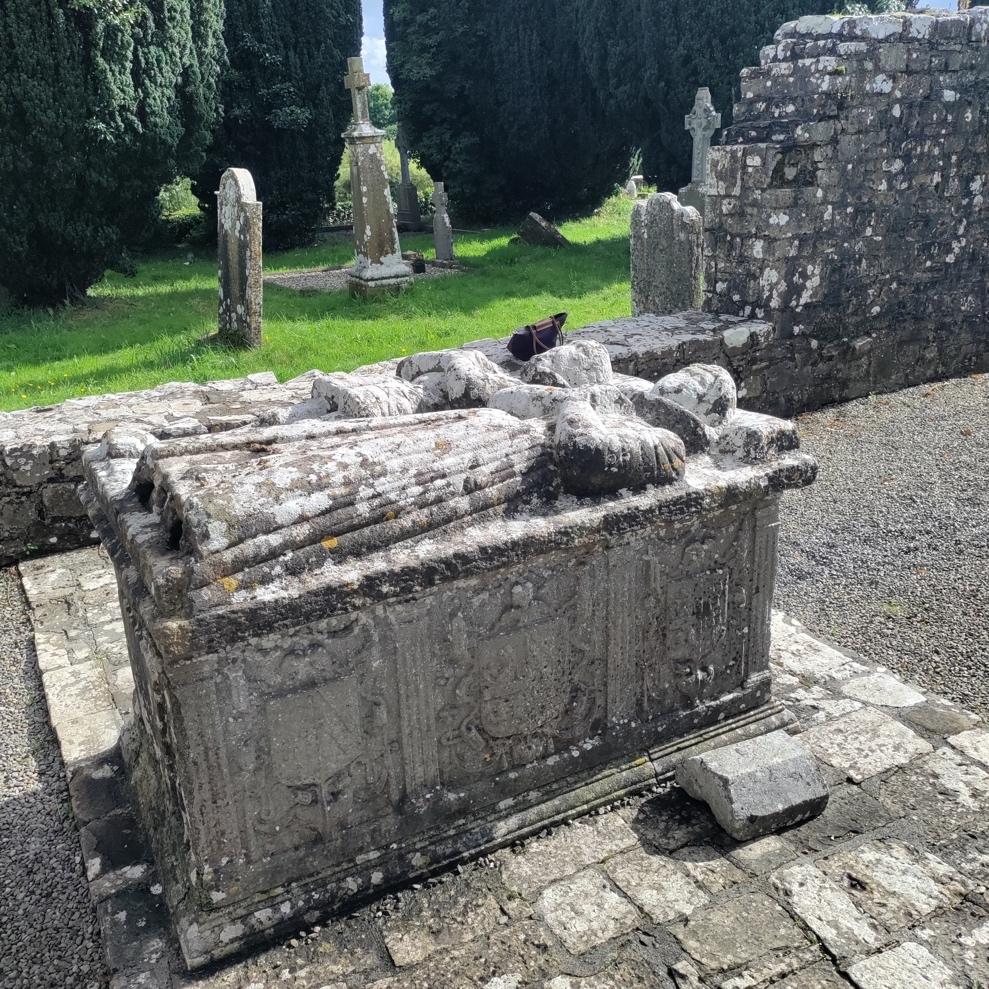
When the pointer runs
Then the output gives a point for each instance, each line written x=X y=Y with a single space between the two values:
x=378 y=265
x=408 y=195
x=358 y=82
x=702 y=122
x=442 y=227
x=238 y=219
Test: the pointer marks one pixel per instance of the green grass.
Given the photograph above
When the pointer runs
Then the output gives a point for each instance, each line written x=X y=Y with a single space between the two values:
x=136 y=332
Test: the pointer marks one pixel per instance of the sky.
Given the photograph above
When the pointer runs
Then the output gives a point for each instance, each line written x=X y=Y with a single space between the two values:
x=374 y=36
x=373 y=48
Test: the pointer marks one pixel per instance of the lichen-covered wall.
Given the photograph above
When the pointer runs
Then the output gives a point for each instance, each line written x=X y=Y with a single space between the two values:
x=850 y=204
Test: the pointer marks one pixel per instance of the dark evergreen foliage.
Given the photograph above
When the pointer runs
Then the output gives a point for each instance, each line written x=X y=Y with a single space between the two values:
x=538 y=105
x=101 y=103
x=649 y=58
x=497 y=105
x=284 y=109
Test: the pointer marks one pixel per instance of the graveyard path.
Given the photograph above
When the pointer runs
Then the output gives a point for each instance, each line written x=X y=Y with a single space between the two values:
x=888 y=553
x=48 y=932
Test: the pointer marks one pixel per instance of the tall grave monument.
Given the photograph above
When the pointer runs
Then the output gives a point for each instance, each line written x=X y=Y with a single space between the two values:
x=702 y=122
x=408 y=194
x=378 y=266
x=238 y=222
x=442 y=226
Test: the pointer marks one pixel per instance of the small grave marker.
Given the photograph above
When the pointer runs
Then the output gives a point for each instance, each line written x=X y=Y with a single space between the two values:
x=239 y=259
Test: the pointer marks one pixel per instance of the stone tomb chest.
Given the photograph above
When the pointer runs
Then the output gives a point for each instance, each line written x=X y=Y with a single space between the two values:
x=367 y=648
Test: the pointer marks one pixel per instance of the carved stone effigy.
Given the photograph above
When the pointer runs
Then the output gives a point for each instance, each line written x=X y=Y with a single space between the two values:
x=373 y=643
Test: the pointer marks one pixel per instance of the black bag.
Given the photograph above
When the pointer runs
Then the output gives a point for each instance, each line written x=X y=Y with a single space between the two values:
x=536 y=338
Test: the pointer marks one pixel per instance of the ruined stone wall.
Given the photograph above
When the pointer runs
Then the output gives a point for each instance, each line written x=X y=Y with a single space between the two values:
x=850 y=205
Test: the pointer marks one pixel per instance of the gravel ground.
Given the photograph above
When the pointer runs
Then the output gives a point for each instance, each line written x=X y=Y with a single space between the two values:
x=888 y=553
x=48 y=933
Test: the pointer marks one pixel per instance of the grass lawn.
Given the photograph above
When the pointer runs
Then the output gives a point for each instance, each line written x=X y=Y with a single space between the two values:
x=141 y=331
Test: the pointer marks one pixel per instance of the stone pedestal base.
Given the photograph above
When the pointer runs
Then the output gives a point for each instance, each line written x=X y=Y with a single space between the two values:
x=368 y=288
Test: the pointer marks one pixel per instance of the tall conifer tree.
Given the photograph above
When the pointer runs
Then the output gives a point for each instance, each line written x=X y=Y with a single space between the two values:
x=101 y=103
x=285 y=108
x=528 y=104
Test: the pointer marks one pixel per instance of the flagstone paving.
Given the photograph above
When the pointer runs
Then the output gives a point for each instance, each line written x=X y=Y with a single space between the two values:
x=886 y=890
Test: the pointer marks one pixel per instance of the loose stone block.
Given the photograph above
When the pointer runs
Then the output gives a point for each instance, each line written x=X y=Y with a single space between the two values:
x=239 y=252
x=365 y=648
x=667 y=256
x=909 y=966
x=864 y=743
x=586 y=911
x=757 y=786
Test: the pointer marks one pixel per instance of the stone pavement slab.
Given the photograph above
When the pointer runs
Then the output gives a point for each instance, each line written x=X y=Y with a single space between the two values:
x=586 y=911
x=566 y=851
x=910 y=966
x=888 y=884
x=828 y=911
x=656 y=884
x=864 y=743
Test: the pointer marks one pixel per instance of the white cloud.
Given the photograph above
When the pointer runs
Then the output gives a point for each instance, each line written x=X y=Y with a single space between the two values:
x=373 y=51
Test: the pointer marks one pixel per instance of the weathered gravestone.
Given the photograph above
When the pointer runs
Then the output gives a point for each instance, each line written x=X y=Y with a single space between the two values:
x=366 y=648
x=239 y=256
x=379 y=266
x=667 y=256
x=634 y=186
x=702 y=122
x=442 y=227
x=539 y=232
x=408 y=195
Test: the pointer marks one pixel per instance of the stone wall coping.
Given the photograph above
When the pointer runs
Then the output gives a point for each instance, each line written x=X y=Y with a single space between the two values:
x=969 y=25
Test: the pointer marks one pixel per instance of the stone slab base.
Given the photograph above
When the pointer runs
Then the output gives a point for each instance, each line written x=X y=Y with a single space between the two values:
x=645 y=891
x=361 y=288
